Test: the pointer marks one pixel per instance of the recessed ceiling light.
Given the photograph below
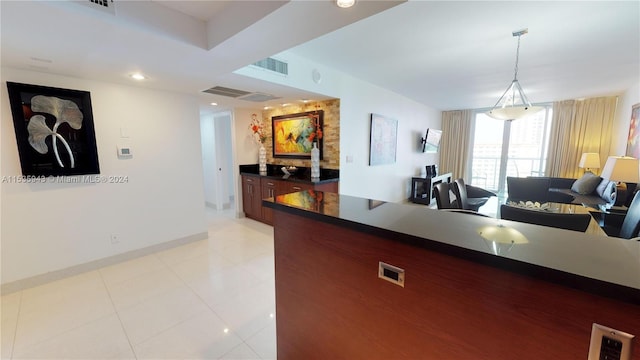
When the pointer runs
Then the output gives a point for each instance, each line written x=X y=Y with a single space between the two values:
x=138 y=76
x=214 y=103
x=285 y=104
x=305 y=100
x=345 y=3
x=266 y=108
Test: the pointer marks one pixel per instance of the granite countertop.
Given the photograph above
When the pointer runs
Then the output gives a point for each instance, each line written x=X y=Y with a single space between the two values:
x=303 y=174
x=606 y=266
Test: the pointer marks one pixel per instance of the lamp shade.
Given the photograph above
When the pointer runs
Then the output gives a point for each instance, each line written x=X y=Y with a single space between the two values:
x=622 y=169
x=513 y=104
x=590 y=161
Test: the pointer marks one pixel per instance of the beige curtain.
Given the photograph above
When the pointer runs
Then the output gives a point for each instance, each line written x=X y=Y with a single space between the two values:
x=579 y=126
x=454 y=144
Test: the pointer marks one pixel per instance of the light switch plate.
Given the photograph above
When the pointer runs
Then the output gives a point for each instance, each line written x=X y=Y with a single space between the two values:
x=611 y=344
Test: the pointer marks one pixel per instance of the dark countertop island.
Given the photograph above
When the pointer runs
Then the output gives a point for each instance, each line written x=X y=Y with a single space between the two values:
x=303 y=174
x=557 y=255
x=460 y=290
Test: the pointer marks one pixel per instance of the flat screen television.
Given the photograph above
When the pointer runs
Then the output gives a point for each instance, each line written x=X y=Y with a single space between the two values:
x=431 y=141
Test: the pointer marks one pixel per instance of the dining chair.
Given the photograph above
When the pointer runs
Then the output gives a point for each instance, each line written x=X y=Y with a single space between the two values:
x=463 y=201
x=576 y=222
x=441 y=193
x=630 y=224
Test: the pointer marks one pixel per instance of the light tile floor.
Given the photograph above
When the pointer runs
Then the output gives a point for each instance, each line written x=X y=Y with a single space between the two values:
x=211 y=299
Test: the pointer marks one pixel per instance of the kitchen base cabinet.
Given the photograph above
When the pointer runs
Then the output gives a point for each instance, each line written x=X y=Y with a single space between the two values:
x=256 y=187
x=252 y=197
x=269 y=190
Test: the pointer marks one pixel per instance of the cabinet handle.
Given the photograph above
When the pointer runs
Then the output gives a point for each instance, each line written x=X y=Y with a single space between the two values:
x=249 y=180
x=270 y=184
x=297 y=188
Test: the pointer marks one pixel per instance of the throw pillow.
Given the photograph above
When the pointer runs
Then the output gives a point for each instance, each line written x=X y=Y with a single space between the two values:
x=610 y=193
x=601 y=187
x=586 y=184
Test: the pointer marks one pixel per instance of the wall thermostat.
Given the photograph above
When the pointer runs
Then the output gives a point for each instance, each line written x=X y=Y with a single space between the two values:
x=610 y=344
x=124 y=151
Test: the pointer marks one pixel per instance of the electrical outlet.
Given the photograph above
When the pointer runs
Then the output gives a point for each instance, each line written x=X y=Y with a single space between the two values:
x=610 y=344
x=115 y=238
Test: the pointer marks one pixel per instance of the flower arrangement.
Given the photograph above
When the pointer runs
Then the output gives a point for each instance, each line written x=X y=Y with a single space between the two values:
x=258 y=129
x=317 y=134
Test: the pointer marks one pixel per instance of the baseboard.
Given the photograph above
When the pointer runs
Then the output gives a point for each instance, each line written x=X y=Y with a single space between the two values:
x=37 y=280
x=225 y=206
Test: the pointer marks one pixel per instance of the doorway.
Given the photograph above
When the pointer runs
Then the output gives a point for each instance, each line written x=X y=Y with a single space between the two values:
x=217 y=162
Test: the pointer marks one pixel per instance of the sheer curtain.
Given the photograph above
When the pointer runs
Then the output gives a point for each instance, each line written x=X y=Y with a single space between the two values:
x=454 y=145
x=579 y=126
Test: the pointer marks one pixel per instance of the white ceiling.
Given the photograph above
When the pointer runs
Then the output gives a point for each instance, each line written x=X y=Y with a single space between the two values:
x=445 y=54
x=457 y=55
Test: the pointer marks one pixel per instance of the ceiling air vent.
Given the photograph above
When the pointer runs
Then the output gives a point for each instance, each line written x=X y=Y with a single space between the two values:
x=258 y=97
x=107 y=6
x=274 y=65
x=219 y=90
x=240 y=94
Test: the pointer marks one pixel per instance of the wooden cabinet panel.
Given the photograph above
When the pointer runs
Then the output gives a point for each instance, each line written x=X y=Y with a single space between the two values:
x=269 y=188
x=449 y=308
x=251 y=197
x=285 y=187
x=328 y=187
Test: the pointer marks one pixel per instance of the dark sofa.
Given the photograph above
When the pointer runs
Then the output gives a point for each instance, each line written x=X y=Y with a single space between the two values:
x=553 y=189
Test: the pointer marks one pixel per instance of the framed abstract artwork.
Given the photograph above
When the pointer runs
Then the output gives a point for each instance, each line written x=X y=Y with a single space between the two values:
x=294 y=134
x=384 y=139
x=54 y=130
x=633 y=140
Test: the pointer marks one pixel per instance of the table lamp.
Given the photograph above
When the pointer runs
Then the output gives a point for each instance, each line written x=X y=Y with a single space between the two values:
x=621 y=169
x=590 y=161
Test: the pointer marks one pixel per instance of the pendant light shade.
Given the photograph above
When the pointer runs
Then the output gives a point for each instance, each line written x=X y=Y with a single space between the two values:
x=514 y=104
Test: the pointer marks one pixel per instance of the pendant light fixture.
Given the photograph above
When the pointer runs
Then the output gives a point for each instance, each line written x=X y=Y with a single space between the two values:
x=514 y=104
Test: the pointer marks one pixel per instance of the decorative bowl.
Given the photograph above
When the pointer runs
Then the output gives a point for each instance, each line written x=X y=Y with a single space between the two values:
x=289 y=170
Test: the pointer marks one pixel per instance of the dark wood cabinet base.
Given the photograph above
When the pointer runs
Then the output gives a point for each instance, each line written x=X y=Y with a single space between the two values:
x=256 y=187
x=330 y=303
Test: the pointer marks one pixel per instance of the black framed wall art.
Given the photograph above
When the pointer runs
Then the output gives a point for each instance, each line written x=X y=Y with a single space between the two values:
x=54 y=130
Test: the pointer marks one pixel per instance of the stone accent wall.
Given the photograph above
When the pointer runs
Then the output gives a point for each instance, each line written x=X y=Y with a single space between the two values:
x=330 y=131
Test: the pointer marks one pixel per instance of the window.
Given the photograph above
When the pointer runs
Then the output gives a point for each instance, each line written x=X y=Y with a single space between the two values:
x=509 y=148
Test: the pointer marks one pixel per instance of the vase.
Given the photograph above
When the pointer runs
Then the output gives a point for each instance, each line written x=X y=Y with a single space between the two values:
x=262 y=160
x=315 y=162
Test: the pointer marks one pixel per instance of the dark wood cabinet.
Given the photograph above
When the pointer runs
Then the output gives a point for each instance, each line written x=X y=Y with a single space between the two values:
x=252 y=197
x=285 y=187
x=256 y=187
x=269 y=189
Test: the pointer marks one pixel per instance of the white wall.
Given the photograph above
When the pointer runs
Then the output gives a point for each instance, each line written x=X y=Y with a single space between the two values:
x=358 y=99
x=47 y=227
x=383 y=182
x=623 y=119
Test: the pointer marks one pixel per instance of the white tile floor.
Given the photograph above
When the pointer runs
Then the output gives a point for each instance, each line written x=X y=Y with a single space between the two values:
x=211 y=299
